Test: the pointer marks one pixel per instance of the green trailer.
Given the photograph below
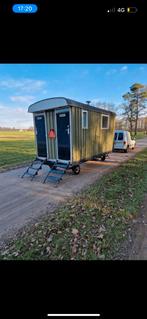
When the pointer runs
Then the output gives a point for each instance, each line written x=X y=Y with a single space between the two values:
x=71 y=132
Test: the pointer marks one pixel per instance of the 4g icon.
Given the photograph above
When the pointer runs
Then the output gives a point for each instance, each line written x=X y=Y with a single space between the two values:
x=121 y=10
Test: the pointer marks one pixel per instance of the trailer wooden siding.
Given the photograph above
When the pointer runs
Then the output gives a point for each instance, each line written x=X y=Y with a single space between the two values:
x=51 y=142
x=87 y=143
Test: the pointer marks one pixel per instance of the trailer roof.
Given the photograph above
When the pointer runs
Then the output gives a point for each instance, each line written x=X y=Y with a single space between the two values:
x=57 y=102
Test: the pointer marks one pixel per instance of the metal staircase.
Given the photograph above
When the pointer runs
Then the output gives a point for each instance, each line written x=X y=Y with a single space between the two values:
x=34 y=168
x=56 y=172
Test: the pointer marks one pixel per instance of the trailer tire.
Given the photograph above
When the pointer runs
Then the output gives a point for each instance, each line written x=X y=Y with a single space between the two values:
x=76 y=169
x=103 y=157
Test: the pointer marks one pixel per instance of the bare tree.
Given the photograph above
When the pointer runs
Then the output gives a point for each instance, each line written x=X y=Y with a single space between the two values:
x=105 y=106
x=135 y=103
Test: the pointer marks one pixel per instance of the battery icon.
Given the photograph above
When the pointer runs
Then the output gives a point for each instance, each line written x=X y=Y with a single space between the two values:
x=132 y=10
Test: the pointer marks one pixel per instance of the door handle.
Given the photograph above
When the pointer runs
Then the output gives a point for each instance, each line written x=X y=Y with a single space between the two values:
x=67 y=129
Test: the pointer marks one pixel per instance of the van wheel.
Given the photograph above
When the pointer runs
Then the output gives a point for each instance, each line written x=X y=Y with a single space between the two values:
x=103 y=157
x=126 y=150
x=76 y=169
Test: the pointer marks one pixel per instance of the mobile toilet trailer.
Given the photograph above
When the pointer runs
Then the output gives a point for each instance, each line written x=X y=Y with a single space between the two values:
x=71 y=131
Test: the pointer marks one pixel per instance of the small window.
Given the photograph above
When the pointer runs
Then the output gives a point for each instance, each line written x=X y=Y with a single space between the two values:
x=84 y=119
x=120 y=136
x=105 y=122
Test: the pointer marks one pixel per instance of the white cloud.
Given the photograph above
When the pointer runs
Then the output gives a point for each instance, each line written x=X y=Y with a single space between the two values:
x=27 y=99
x=15 y=117
x=25 y=85
x=114 y=71
x=124 y=68
x=111 y=72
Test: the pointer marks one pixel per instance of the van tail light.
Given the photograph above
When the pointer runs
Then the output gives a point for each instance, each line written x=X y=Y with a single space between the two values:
x=124 y=142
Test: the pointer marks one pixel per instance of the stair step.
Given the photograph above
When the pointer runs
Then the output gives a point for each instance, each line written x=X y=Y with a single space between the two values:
x=58 y=171
x=35 y=168
x=31 y=174
x=54 y=178
x=61 y=165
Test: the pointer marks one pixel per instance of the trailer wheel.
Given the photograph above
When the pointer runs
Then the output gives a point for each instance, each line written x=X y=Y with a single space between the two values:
x=76 y=169
x=103 y=157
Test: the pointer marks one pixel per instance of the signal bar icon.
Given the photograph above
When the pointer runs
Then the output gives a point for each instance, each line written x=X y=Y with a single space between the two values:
x=112 y=10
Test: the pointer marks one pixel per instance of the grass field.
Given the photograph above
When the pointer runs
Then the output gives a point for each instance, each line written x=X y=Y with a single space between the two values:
x=16 y=147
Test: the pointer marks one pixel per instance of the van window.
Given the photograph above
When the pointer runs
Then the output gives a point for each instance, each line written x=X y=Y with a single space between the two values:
x=115 y=136
x=120 y=136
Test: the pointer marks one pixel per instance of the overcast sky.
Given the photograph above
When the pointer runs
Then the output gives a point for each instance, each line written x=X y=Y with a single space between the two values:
x=23 y=84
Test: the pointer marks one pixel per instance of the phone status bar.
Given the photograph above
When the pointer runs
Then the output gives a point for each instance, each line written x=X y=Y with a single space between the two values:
x=121 y=10
x=37 y=7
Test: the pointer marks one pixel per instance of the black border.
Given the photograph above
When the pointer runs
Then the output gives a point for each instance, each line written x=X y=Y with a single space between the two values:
x=113 y=289
x=84 y=35
x=69 y=33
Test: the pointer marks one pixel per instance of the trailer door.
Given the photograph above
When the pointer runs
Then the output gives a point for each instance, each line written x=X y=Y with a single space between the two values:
x=40 y=136
x=63 y=136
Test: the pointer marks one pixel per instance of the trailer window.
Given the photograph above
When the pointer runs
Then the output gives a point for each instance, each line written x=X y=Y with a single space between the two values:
x=105 y=121
x=84 y=119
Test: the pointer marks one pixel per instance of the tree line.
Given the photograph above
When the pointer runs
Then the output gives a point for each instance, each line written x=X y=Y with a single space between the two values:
x=15 y=129
x=134 y=105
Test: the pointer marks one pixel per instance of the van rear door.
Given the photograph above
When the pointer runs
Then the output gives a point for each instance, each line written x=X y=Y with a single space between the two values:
x=119 y=142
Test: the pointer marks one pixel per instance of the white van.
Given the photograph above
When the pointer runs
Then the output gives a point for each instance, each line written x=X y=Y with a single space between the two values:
x=123 y=141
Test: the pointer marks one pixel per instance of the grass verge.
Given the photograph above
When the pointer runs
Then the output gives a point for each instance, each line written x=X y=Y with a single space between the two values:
x=16 y=148
x=92 y=225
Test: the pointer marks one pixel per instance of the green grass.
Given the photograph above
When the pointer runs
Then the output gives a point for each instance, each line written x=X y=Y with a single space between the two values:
x=92 y=225
x=16 y=147
x=141 y=135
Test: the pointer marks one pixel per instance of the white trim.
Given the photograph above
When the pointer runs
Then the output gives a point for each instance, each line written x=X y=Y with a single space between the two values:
x=85 y=127
x=37 y=114
x=105 y=128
